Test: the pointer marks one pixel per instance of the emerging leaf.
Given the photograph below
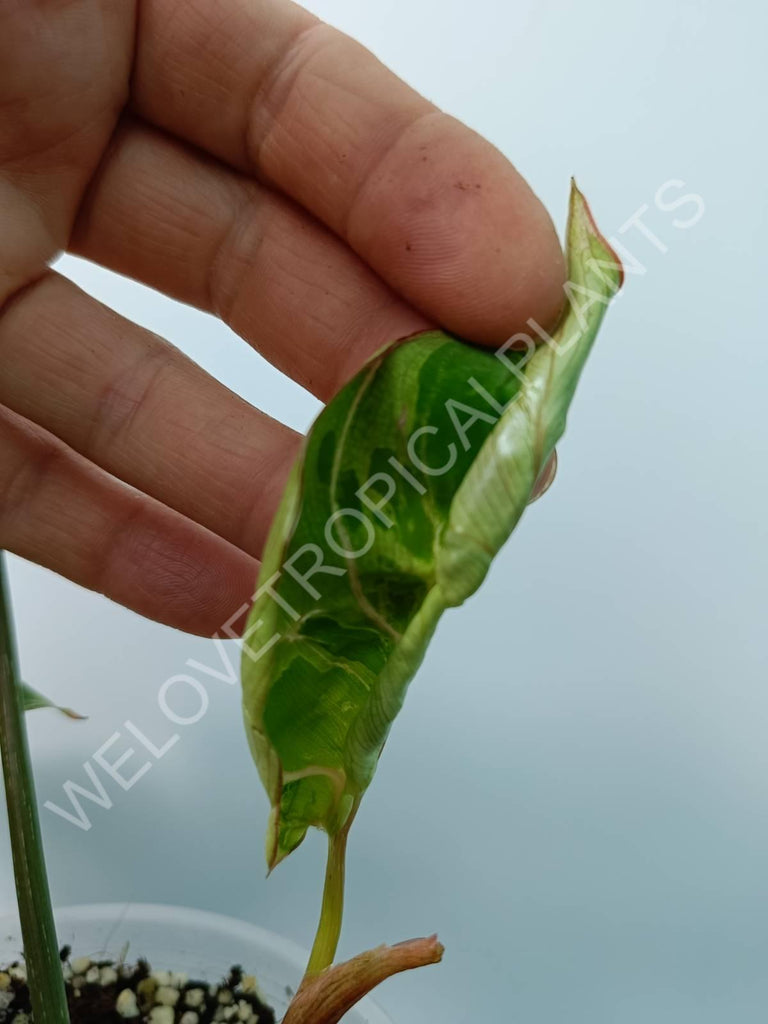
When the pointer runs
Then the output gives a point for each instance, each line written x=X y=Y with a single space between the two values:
x=325 y=998
x=409 y=482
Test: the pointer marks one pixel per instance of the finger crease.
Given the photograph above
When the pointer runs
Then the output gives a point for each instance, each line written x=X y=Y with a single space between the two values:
x=226 y=267
x=29 y=476
x=274 y=89
x=358 y=194
x=123 y=398
x=105 y=556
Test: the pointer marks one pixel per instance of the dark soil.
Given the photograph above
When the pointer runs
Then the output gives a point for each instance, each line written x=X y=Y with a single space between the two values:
x=233 y=1000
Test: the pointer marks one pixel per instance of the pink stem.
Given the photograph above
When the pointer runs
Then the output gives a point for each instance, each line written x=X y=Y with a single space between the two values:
x=325 y=998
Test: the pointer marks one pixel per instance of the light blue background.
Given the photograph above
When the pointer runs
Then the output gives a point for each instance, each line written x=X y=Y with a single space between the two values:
x=576 y=797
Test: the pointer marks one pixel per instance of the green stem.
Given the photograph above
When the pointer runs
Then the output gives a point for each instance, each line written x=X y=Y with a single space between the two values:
x=41 y=951
x=329 y=929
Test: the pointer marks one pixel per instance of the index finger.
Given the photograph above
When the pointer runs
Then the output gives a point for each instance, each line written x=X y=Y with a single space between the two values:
x=435 y=209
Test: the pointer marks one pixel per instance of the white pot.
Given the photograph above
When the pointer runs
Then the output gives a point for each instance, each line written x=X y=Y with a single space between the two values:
x=200 y=944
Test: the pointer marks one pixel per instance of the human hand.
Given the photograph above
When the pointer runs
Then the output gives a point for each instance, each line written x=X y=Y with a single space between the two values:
x=242 y=157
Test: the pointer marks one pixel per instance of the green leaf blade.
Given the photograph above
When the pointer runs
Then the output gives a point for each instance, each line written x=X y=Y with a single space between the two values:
x=410 y=481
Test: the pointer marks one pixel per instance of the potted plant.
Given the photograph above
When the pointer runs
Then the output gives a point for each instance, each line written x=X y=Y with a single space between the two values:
x=408 y=484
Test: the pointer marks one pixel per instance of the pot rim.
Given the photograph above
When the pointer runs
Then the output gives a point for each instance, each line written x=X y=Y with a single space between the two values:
x=186 y=918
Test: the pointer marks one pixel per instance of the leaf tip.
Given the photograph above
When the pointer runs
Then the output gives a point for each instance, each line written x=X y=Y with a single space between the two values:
x=426 y=951
x=581 y=222
x=74 y=715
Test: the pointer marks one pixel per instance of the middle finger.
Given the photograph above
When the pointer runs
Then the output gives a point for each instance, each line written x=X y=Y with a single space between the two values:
x=167 y=215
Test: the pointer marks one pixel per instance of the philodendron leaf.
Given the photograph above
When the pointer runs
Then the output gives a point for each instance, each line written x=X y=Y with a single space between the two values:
x=32 y=700
x=409 y=482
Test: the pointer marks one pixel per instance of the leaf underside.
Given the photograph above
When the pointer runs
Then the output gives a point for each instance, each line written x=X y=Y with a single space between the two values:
x=383 y=525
